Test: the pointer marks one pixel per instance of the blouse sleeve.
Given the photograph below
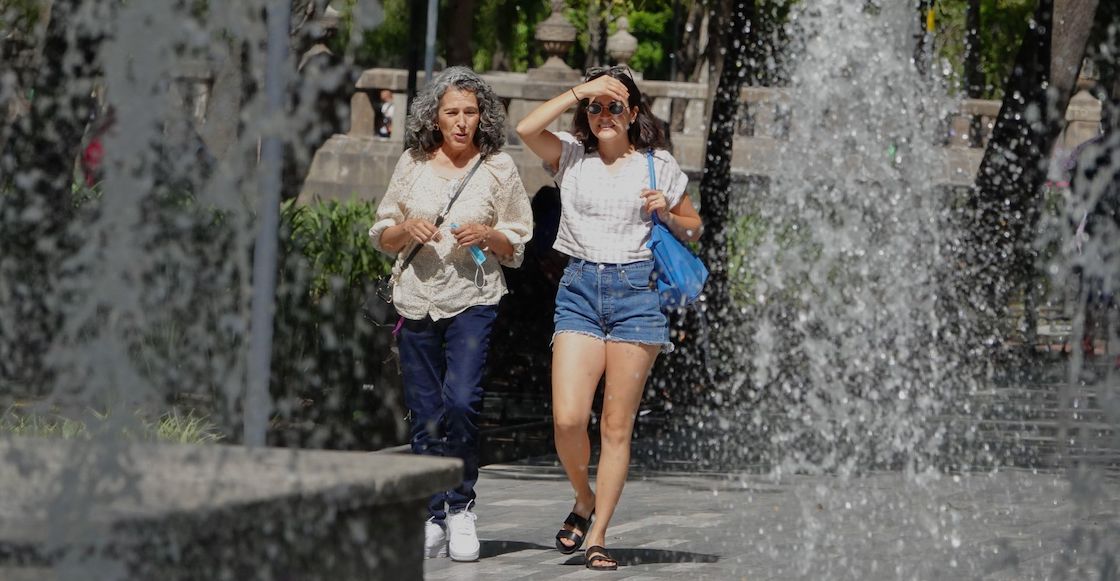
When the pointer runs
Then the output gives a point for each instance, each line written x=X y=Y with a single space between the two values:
x=391 y=211
x=515 y=217
x=670 y=179
x=569 y=155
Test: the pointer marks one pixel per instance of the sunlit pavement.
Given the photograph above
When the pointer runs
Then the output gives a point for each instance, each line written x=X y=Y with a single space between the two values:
x=1006 y=525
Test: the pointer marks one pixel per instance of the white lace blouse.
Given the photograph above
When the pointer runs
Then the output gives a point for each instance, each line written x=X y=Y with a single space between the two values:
x=443 y=280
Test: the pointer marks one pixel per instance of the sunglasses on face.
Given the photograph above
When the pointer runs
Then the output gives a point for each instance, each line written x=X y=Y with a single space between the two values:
x=615 y=107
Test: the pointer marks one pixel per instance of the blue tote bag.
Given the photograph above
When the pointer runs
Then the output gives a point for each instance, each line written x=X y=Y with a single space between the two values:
x=680 y=273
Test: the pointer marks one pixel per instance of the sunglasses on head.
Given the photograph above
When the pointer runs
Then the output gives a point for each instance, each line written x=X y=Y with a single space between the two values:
x=615 y=107
x=599 y=71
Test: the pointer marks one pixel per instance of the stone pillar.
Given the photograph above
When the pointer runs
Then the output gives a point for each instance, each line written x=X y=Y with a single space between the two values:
x=400 y=116
x=556 y=36
x=1083 y=115
x=362 y=115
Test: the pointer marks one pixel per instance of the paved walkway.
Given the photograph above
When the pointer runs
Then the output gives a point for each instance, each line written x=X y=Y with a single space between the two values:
x=1011 y=525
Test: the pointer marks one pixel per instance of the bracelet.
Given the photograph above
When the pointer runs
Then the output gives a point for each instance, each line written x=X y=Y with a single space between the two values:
x=573 y=90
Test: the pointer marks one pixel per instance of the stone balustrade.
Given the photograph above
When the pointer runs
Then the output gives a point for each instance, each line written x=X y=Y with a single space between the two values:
x=360 y=164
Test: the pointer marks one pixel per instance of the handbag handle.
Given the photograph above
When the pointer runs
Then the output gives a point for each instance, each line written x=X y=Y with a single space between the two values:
x=443 y=214
x=652 y=180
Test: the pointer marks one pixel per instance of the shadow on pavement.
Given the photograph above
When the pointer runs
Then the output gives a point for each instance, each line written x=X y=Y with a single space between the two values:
x=489 y=549
x=631 y=557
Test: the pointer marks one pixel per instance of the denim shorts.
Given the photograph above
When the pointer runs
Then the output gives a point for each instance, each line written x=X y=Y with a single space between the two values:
x=612 y=302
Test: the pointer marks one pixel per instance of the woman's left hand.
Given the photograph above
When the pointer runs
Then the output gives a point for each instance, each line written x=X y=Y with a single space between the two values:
x=655 y=202
x=472 y=235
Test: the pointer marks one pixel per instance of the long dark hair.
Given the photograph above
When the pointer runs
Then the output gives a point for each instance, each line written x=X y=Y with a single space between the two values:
x=646 y=132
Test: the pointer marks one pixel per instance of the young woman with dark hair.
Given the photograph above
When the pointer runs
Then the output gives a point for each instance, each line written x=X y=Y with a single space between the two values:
x=608 y=319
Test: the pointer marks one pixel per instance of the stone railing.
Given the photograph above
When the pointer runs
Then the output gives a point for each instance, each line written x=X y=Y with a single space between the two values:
x=359 y=163
x=972 y=125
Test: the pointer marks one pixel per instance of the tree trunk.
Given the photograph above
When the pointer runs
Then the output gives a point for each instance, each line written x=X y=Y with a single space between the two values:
x=720 y=15
x=595 y=35
x=973 y=74
x=922 y=44
x=460 y=27
x=693 y=38
x=1006 y=198
x=715 y=184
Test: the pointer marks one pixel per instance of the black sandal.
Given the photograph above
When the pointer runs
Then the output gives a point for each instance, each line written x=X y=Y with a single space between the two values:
x=576 y=522
x=600 y=554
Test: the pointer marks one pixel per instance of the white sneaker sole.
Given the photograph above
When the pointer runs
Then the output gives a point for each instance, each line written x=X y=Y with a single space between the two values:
x=465 y=557
x=438 y=554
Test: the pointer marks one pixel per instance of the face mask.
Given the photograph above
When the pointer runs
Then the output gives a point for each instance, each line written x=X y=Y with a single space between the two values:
x=479 y=258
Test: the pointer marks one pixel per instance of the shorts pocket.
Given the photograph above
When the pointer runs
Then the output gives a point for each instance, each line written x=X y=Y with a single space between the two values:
x=638 y=278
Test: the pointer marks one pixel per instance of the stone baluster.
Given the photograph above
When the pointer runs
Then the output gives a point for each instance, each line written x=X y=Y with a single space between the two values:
x=556 y=36
x=622 y=45
x=1083 y=115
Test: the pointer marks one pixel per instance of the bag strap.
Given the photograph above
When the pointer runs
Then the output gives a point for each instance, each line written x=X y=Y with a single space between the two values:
x=443 y=214
x=652 y=180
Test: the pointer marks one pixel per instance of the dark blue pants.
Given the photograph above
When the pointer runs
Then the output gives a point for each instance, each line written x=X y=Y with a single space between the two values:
x=442 y=363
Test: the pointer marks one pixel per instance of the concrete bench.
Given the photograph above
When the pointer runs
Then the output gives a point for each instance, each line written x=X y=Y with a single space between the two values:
x=126 y=510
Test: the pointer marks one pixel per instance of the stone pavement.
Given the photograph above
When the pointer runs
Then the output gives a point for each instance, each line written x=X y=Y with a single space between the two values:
x=1007 y=525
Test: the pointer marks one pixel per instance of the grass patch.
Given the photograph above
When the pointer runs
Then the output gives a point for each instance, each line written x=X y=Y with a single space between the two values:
x=172 y=427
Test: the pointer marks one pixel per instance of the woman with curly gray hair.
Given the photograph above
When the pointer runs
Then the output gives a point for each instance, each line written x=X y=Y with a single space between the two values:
x=457 y=206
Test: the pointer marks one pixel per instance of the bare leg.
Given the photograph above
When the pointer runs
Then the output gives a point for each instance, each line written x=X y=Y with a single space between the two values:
x=628 y=366
x=578 y=362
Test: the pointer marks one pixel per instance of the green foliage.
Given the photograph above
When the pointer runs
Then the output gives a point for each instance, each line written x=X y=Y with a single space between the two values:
x=503 y=38
x=18 y=17
x=332 y=238
x=653 y=29
x=182 y=428
x=504 y=33
x=174 y=426
x=386 y=45
x=1002 y=26
x=82 y=195
x=15 y=423
x=772 y=66
x=744 y=235
x=330 y=387
x=650 y=23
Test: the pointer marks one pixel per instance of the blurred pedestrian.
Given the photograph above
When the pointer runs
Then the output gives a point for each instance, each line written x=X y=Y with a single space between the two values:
x=1095 y=194
x=385 y=112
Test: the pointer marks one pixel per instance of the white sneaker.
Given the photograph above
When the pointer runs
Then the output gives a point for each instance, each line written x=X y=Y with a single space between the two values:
x=435 y=540
x=464 y=538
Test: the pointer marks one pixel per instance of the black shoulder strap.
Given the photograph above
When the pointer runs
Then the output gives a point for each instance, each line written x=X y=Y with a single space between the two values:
x=443 y=214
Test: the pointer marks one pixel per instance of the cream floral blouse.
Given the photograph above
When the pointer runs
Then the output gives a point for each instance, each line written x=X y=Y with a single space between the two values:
x=443 y=280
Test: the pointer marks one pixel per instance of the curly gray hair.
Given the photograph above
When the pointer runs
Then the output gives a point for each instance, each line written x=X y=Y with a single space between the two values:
x=422 y=129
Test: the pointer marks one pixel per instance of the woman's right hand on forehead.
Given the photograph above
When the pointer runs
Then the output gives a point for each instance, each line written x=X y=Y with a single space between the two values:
x=605 y=85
